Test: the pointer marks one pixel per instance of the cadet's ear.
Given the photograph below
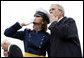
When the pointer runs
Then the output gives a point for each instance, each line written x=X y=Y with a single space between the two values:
x=42 y=22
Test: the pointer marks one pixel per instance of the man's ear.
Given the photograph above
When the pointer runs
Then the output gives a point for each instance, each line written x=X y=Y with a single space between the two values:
x=61 y=12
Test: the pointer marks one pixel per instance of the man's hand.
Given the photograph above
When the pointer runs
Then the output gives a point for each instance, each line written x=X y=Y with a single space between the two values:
x=53 y=18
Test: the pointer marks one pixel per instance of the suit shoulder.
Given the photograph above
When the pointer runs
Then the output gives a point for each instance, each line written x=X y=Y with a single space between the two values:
x=69 y=20
x=14 y=46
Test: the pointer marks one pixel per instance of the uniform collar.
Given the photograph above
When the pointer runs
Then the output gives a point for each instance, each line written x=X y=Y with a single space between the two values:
x=39 y=31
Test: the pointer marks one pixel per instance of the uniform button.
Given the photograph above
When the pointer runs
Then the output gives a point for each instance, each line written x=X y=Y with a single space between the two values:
x=39 y=46
x=42 y=39
x=29 y=40
x=29 y=35
x=41 y=43
x=43 y=36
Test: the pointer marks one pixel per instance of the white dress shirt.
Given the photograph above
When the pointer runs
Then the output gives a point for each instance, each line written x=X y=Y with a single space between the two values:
x=9 y=47
x=60 y=19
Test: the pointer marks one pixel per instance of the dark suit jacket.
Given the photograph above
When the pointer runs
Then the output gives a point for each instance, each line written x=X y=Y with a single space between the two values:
x=15 y=51
x=64 y=41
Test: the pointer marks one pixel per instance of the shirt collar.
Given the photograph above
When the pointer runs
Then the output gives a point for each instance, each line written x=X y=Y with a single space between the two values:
x=60 y=19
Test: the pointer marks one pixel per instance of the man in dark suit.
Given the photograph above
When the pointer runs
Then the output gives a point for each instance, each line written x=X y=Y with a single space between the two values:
x=11 y=50
x=64 y=40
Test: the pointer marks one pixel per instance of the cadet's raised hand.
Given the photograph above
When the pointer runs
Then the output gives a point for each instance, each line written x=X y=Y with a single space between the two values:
x=22 y=24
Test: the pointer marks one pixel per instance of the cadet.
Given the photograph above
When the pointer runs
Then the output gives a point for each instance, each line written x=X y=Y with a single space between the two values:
x=35 y=41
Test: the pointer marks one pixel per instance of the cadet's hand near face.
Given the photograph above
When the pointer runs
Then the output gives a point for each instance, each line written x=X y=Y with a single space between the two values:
x=22 y=24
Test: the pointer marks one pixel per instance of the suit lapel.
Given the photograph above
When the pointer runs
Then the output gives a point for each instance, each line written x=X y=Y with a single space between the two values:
x=62 y=20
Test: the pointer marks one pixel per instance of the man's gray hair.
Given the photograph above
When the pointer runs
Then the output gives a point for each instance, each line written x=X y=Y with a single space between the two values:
x=60 y=7
x=5 y=42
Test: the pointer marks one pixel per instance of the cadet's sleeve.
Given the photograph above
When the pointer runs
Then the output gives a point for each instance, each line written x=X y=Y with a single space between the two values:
x=66 y=30
x=14 y=33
